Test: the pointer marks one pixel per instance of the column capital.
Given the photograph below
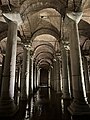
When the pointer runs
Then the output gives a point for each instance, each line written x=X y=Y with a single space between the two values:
x=15 y=17
x=75 y=16
x=27 y=47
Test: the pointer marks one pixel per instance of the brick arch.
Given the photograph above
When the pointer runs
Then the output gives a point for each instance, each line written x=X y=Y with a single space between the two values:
x=31 y=7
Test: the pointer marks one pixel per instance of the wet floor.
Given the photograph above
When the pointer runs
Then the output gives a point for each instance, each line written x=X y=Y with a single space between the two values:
x=44 y=105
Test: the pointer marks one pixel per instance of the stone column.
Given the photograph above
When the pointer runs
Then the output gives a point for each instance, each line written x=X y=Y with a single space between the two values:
x=52 y=78
x=25 y=73
x=49 y=77
x=34 y=76
x=70 y=74
x=65 y=84
x=1 y=72
x=7 y=105
x=38 y=77
x=31 y=90
x=78 y=106
x=18 y=73
x=58 y=75
x=19 y=78
x=54 y=75
x=86 y=77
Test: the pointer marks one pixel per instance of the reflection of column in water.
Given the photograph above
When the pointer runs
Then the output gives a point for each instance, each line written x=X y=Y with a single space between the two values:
x=49 y=93
x=18 y=98
x=31 y=107
x=38 y=95
x=62 y=104
x=27 y=112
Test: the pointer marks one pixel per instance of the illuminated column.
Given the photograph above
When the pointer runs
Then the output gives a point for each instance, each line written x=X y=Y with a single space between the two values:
x=65 y=84
x=19 y=77
x=86 y=76
x=78 y=106
x=49 y=77
x=25 y=73
x=69 y=73
x=7 y=105
x=38 y=77
x=52 y=77
x=34 y=77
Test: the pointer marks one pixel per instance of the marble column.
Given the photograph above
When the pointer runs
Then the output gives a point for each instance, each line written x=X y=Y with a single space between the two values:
x=25 y=74
x=79 y=105
x=7 y=105
x=65 y=83
x=86 y=78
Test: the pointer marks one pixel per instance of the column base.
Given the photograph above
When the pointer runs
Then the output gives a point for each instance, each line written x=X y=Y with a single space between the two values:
x=78 y=108
x=7 y=108
x=88 y=97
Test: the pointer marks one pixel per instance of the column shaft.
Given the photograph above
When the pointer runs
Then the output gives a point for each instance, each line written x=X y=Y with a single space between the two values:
x=78 y=106
x=86 y=77
x=65 y=83
x=38 y=77
x=31 y=91
x=7 y=106
x=58 y=75
x=25 y=75
x=49 y=77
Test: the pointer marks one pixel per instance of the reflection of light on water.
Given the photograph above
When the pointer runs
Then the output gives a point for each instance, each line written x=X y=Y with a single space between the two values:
x=31 y=110
x=62 y=104
x=38 y=96
x=18 y=97
x=27 y=113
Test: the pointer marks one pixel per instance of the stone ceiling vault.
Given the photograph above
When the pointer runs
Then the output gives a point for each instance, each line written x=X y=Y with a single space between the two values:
x=41 y=24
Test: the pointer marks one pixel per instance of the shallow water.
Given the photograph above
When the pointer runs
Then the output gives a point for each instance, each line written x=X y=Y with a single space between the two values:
x=45 y=104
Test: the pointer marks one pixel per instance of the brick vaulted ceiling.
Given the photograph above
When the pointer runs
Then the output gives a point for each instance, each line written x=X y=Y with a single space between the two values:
x=41 y=26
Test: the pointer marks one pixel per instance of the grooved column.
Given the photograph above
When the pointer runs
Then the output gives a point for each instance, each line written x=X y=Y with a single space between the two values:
x=86 y=76
x=7 y=105
x=65 y=83
x=25 y=74
x=78 y=106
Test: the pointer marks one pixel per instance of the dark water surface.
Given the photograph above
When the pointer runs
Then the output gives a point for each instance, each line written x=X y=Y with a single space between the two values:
x=45 y=105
